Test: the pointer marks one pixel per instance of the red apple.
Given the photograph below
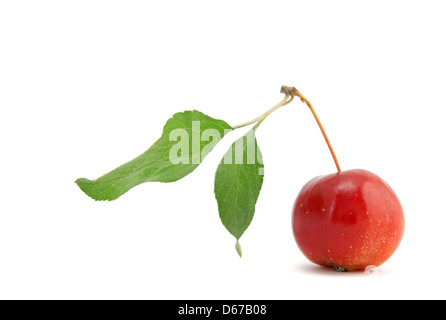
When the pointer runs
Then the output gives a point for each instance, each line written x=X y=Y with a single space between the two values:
x=348 y=220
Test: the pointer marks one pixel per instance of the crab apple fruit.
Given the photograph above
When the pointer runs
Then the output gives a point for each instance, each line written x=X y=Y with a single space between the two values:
x=348 y=220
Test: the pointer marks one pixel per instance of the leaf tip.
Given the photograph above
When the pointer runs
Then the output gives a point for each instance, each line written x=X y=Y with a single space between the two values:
x=87 y=186
x=81 y=183
x=238 y=248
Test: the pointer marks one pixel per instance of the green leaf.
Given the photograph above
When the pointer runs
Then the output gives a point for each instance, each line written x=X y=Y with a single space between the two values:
x=186 y=139
x=238 y=181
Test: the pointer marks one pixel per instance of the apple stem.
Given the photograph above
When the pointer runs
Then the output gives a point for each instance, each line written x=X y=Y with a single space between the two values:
x=290 y=93
x=308 y=103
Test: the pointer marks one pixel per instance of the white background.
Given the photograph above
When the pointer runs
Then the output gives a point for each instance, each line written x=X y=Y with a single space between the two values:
x=87 y=85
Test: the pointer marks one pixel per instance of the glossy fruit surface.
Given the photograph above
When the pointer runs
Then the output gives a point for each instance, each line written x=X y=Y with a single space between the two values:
x=348 y=220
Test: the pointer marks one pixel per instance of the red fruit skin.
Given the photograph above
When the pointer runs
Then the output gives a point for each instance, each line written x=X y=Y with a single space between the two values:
x=349 y=220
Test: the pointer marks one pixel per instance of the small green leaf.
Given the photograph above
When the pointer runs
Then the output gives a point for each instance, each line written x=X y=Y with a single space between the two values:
x=186 y=139
x=238 y=181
